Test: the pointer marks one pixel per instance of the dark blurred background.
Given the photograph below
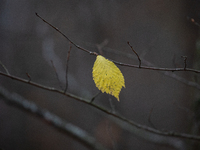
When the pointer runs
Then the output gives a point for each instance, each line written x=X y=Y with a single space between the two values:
x=160 y=31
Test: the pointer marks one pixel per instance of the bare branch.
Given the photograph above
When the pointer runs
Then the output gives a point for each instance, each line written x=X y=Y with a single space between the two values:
x=169 y=74
x=135 y=54
x=121 y=118
x=51 y=119
x=67 y=64
x=90 y=52
x=120 y=63
x=157 y=68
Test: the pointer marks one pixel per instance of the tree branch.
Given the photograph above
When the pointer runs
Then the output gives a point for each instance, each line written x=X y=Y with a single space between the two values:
x=167 y=73
x=67 y=64
x=121 y=118
x=135 y=54
x=51 y=119
x=79 y=47
x=119 y=63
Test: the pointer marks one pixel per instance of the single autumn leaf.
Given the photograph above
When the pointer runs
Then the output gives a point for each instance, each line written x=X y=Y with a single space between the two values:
x=107 y=76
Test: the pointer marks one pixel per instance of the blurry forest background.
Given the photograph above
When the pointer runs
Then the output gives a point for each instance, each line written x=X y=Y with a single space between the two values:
x=160 y=32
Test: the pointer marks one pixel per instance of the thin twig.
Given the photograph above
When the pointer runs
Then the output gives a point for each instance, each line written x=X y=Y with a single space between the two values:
x=4 y=67
x=67 y=64
x=135 y=54
x=92 y=53
x=56 y=73
x=169 y=74
x=120 y=63
x=111 y=105
x=51 y=119
x=125 y=120
x=157 y=68
x=149 y=118
x=29 y=77
x=185 y=61
x=182 y=80
x=93 y=98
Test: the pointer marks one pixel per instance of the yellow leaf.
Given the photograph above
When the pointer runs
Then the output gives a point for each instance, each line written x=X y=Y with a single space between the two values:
x=107 y=76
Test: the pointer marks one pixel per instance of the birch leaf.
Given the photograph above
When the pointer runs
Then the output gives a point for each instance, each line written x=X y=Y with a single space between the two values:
x=107 y=76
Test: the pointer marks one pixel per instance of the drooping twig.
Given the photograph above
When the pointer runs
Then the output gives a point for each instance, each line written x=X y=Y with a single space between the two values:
x=111 y=105
x=4 y=67
x=120 y=63
x=50 y=118
x=67 y=64
x=186 y=82
x=54 y=68
x=121 y=118
x=135 y=54
x=149 y=118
